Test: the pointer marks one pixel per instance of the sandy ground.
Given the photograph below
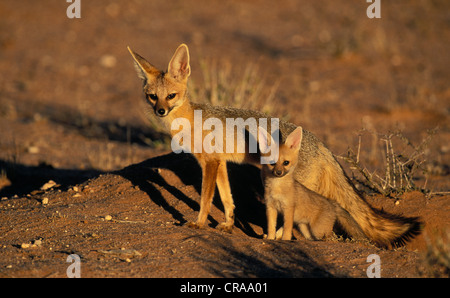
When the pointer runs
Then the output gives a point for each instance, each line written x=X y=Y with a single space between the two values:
x=70 y=112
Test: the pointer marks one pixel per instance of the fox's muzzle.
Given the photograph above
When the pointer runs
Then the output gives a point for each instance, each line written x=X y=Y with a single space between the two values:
x=161 y=112
x=278 y=173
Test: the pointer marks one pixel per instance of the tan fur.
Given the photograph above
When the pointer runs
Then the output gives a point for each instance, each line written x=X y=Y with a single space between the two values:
x=317 y=169
x=314 y=214
x=381 y=228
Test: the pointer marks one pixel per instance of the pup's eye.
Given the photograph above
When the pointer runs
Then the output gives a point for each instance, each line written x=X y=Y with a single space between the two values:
x=171 y=96
x=152 y=96
x=286 y=162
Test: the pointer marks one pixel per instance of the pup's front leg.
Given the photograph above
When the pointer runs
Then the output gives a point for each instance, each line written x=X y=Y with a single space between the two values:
x=271 y=213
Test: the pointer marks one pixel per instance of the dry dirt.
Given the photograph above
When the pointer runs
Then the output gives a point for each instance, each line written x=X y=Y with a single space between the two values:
x=69 y=112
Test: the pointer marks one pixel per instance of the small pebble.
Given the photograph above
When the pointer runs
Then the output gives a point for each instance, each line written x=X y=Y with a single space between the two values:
x=33 y=150
x=44 y=201
x=108 y=61
x=48 y=185
x=108 y=217
x=25 y=245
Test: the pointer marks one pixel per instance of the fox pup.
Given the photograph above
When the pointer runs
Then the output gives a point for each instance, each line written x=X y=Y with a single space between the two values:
x=165 y=94
x=314 y=214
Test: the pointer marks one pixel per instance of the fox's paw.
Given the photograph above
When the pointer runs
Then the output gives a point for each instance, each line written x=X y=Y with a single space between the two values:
x=279 y=234
x=194 y=225
x=266 y=237
x=224 y=227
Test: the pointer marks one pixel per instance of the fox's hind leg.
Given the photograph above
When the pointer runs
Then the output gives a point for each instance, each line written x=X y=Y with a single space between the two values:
x=304 y=228
x=223 y=185
x=322 y=227
x=279 y=234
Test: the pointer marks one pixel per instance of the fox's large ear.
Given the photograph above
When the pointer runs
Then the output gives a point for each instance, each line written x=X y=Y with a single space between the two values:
x=263 y=137
x=143 y=68
x=294 y=140
x=179 y=67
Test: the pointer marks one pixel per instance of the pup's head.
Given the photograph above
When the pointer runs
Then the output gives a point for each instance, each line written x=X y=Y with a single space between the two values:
x=164 y=91
x=288 y=152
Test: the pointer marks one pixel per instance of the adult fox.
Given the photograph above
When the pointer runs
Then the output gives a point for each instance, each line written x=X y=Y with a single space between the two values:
x=166 y=93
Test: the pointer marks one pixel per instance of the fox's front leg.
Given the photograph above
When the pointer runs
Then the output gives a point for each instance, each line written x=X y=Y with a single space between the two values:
x=223 y=185
x=271 y=213
x=209 y=175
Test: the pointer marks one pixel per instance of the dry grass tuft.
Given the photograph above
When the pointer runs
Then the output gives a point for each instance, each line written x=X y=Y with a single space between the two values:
x=225 y=84
x=403 y=162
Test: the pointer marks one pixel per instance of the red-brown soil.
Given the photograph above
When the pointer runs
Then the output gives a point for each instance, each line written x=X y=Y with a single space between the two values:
x=70 y=112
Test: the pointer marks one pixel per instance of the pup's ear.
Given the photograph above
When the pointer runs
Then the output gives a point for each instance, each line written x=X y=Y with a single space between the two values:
x=179 y=67
x=143 y=68
x=294 y=140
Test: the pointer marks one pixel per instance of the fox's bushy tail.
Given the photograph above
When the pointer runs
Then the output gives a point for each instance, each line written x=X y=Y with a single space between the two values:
x=382 y=228
x=349 y=225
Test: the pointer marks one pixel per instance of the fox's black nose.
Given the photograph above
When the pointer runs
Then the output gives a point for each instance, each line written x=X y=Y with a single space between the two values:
x=161 y=112
x=278 y=173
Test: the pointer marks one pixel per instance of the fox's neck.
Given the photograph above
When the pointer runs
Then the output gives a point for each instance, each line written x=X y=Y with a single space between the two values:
x=185 y=110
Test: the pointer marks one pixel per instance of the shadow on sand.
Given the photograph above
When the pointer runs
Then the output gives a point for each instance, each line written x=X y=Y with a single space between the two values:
x=245 y=183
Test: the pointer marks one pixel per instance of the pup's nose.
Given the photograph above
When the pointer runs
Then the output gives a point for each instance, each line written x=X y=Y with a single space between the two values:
x=278 y=173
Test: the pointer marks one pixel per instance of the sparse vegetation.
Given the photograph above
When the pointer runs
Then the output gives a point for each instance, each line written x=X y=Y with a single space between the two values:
x=403 y=163
x=241 y=87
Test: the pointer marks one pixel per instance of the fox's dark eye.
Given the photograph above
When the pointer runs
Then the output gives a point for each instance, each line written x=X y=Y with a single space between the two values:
x=152 y=96
x=286 y=162
x=171 y=96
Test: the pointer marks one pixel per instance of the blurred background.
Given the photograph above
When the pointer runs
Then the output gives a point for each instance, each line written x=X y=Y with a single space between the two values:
x=70 y=100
